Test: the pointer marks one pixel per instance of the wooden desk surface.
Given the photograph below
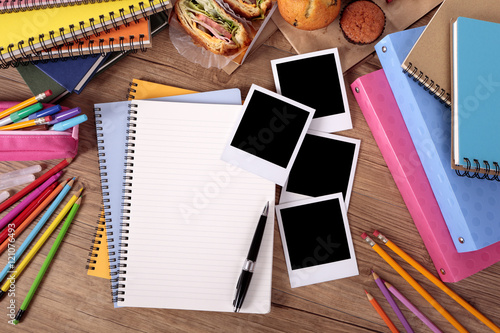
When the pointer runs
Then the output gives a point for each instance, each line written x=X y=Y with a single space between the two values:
x=68 y=300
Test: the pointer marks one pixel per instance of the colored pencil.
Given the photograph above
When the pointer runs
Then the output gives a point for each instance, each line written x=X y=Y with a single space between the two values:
x=61 y=165
x=48 y=260
x=36 y=229
x=19 y=269
x=381 y=313
x=437 y=282
x=34 y=214
x=392 y=303
x=25 y=103
x=412 y=307
x=14 y=224
x=23 y=204
x=413 y=283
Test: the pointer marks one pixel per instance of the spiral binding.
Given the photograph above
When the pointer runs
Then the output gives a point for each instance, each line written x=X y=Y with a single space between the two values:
x=95 y=248
x=131 y=90
x=428 y=84
x=118 y=281
x=14 y=6
x=113 y=253
x=28 y=52
x=478 y=172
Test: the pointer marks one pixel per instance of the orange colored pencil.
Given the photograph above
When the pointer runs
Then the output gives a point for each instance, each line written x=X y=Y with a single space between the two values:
x=413 y=283
x=27 y=123
x=437 y=281
x=35 y=213
x=381 y=313
x=25 y=103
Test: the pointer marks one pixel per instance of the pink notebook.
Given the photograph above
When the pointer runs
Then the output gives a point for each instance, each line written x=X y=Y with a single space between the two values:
x=375 y=98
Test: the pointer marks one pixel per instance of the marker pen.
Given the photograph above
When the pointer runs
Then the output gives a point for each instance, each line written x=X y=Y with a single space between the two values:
x=64 y=125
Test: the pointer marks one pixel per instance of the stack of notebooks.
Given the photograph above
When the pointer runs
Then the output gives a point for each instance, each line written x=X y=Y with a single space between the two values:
x=455 y=215
x=61 y=47
x=172 y=189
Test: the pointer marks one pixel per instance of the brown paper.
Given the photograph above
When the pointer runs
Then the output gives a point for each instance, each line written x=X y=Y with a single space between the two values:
x=400 y=14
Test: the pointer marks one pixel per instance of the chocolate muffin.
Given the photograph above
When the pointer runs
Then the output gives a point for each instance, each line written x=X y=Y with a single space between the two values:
x=362 y=22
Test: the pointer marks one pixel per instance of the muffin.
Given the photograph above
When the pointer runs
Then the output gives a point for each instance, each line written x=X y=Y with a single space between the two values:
x=309 y=14
x=362 y=22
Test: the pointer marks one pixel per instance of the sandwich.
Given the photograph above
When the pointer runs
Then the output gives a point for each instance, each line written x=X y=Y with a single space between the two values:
x=210 y=26
x=250 y=9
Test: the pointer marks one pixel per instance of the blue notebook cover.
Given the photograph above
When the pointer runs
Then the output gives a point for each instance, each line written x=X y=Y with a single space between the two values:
x=476 y=91
x=72 y=74
x=470 y=207
x=111 y=128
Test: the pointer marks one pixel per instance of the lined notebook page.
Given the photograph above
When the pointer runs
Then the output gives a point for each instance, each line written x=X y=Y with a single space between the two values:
x=192 y=216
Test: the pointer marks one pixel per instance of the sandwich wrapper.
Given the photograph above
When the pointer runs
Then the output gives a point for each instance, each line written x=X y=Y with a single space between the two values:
x=199 y=55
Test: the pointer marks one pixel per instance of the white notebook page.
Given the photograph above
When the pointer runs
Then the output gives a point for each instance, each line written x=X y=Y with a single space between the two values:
x=192 y=216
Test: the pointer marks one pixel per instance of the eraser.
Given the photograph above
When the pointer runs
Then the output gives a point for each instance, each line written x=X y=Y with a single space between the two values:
x=364 y=235
x=48 y=93
x=48 y=118
x=376 y=233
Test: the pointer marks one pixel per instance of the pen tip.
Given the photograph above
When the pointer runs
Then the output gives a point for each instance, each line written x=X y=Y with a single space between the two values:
x=266 y=209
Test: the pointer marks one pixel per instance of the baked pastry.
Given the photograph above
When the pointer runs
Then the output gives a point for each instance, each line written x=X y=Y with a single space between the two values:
x=309 y=14
x=250 y=9
x=211 y=27
x=362 y=22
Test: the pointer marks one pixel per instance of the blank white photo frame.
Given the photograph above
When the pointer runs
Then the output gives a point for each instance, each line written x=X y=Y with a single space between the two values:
x=316 y=79
x=316 y=240
x=268 y=134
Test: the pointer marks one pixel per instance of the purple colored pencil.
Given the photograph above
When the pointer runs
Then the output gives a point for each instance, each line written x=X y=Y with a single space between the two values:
x=391 y=301
x=23 y=204
x=412 y=307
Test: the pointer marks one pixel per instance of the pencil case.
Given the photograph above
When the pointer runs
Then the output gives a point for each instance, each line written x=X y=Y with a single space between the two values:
x=37 y=145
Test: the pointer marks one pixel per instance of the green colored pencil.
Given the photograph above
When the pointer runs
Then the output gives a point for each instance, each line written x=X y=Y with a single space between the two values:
x=47 y=261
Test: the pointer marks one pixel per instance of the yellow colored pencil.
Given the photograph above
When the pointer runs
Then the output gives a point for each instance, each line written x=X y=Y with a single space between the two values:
x=39 y=243
x=381 y=252
x=437 y=282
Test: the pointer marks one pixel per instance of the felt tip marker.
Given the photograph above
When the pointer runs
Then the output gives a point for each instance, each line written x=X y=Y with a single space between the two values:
x=26 y=103
x=45 y=112
x=64 y=125
x=18 y=115
x=63 y=115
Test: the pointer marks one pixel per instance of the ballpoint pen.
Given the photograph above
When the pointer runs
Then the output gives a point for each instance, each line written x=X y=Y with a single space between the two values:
x=248 y=267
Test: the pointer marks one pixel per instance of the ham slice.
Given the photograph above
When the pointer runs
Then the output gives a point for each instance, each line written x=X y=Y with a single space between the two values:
x=213 y=26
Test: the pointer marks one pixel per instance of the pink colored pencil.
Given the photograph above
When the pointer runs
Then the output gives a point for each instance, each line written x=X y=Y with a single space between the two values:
x=23 y=204
x=412 y=307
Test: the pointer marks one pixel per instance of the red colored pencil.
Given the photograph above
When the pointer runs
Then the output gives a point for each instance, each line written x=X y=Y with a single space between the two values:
x=6 y=204
x=381 y=313
x=26 y=212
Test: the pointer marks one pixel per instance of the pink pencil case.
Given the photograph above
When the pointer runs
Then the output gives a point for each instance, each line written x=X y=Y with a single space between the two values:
x=21 y=145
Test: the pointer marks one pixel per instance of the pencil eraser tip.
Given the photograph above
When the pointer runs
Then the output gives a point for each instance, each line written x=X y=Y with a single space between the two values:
x=364 y=235
x=48 y=93
x=48 y=118
x=376 y=233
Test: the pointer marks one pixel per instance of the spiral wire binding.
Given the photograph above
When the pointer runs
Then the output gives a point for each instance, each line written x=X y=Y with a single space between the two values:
x=428 y=84
x=14 y=6
x=99 y=229
x=132 y=90
x=114 y=264
x=118 y=283
x=69 y=37
x=478 y=172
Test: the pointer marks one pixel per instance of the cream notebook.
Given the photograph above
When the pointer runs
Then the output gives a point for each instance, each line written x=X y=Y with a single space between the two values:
x=429 y=61
x=190 y=217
